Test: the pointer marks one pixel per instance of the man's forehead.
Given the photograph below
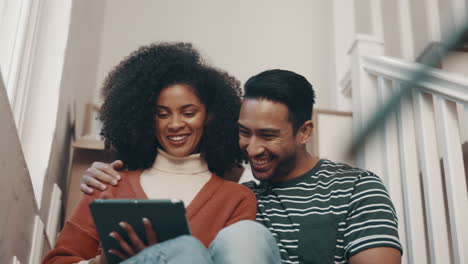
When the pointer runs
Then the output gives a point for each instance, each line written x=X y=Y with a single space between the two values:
x=263 y=104
x=264 y=112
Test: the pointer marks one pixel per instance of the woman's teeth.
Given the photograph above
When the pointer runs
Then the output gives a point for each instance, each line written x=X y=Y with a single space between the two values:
x=178 y=138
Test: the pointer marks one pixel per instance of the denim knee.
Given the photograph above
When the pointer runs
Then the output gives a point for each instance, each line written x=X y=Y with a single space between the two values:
x=246 y=231
x=183 y=249
x=250 y=239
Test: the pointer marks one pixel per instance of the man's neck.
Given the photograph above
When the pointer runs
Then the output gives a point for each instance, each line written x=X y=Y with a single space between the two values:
x=304 y=163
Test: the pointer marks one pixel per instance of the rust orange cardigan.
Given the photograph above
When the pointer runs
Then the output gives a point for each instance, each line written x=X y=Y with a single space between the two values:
x=218 y=204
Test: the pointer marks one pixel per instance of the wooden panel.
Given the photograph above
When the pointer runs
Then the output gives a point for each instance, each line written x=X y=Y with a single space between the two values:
x=82 y=159
x=17 y=205
x=55 y=209
x=449 y=139
x=332 y=135
x=435 y=209
x=37 y=241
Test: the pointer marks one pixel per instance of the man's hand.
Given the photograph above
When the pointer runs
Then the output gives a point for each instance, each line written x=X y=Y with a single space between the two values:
x=380 y=255
x=135 y=244
x=99 y=175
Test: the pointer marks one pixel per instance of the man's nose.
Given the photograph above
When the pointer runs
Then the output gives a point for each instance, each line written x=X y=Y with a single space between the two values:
x=255 y=147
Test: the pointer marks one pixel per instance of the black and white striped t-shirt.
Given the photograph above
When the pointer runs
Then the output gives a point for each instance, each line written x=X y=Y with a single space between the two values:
x=327 y=215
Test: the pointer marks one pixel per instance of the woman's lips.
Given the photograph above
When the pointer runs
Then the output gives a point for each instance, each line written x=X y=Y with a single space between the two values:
x=178 y=140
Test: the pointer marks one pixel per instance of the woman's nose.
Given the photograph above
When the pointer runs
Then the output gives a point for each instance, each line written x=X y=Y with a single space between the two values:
x=175 y=124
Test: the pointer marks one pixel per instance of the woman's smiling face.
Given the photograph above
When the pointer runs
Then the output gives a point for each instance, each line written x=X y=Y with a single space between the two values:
x=180 y=119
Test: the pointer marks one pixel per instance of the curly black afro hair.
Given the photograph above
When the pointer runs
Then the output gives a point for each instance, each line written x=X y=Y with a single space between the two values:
x=131 y=90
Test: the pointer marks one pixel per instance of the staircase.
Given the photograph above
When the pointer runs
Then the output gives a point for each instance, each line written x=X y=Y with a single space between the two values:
x=418 y=152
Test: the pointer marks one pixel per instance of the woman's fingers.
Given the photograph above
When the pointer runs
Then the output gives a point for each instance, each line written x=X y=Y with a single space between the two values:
x=150 y=234
x=122 y=243
x=132 y=235
x=135 y=244
x=118 y=254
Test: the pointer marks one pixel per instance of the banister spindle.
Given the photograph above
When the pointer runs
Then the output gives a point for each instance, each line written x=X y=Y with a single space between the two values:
x=428 y=153
x=455 y=179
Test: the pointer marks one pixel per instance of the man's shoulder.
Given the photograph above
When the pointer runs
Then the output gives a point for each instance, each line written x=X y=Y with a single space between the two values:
x=328 y=169
x=341 y=176
x=252 y=185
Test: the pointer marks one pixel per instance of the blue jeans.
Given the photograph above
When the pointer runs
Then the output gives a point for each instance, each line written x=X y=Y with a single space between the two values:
x=243 y=242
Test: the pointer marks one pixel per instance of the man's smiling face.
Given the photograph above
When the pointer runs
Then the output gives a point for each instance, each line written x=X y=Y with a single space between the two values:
x=267 y=138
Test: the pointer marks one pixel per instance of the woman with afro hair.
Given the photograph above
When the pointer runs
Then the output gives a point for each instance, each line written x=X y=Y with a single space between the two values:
x=171 y=120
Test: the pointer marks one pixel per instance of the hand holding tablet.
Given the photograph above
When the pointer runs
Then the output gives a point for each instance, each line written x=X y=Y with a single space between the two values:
x=126 y=227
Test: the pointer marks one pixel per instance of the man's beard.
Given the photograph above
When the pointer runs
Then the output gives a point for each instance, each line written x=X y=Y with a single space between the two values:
x=283 y=168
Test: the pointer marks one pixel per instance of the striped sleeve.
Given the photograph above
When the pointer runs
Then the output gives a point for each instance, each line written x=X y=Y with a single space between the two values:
x=371 y=220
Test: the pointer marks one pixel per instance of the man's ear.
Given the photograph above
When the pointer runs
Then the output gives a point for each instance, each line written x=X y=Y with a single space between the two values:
x=305 y=132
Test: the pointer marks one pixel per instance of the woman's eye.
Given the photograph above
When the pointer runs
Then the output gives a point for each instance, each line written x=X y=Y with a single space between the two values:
x=190 y=114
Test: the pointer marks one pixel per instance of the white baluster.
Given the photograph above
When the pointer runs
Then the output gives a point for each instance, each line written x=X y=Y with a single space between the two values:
x=391 y=164
x=365 y=100
x=465 y=123
x=428 y=153
x=455 y=179
x=410 y=180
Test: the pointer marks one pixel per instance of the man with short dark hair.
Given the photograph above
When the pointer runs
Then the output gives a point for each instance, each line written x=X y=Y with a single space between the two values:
x=318 y=210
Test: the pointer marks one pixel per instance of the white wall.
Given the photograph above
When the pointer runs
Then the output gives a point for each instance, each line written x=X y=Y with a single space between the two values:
x=363 y=15
x=456 y=62
x=82 y=55
x=343 y=37
x=420 y=27
x=242 y=37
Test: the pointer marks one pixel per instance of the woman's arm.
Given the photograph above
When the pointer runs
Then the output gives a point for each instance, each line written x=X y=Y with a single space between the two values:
x=78 y=239
x=246 y=209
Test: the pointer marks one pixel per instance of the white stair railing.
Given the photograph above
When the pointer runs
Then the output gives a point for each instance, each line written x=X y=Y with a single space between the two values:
x=421 y=160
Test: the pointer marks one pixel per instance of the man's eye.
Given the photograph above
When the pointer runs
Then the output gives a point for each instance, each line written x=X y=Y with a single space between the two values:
x=242 y=132
x=268 y=136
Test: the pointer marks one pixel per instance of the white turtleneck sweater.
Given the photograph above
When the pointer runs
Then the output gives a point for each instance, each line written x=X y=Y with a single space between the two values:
x=173 y=177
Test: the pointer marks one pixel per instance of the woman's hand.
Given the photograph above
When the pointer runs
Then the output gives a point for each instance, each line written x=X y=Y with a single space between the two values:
x=99 y=175
x=136 y=244
x=101 y=259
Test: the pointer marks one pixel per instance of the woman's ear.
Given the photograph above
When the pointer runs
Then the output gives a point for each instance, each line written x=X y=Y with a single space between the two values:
x=305 y=132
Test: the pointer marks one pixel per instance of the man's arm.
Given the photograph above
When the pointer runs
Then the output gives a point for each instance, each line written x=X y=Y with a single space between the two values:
x=371 y=231
x=99 y=175
x=381 y=255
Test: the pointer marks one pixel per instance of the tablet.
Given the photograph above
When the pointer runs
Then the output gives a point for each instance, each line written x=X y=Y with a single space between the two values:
x=166 y=215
